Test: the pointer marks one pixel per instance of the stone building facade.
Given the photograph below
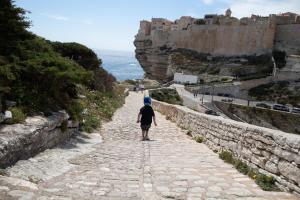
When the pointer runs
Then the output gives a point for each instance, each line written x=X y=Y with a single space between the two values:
x=213 y=36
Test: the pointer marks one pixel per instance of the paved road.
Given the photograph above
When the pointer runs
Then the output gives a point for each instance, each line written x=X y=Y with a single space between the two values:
x=171 y=166
x=208 y=98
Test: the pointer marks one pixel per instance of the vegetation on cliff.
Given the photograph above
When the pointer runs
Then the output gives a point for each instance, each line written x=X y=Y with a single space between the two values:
x=241 y=67
x=98 y=106
x=166 y=95
x=40 y=75
x=282 y=92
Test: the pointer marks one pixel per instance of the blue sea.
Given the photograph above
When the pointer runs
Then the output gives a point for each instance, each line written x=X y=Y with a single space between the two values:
x=123 y=65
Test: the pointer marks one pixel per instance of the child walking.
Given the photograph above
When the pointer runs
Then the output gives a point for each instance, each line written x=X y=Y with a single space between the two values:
x=145 y=117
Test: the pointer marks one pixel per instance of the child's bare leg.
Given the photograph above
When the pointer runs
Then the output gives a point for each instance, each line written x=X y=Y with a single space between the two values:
x=146 y=136
x=143 y=134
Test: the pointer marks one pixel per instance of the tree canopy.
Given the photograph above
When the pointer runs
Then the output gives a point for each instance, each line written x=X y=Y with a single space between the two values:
x=41 y=75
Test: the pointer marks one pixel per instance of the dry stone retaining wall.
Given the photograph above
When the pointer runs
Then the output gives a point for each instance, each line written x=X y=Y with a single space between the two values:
x=273 y=152
x=22 y=141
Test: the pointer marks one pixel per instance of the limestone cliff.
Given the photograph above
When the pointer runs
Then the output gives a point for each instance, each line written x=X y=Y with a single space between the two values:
x=217 y=45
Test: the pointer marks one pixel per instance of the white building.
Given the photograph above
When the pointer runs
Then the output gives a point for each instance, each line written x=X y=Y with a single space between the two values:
x=183 y=78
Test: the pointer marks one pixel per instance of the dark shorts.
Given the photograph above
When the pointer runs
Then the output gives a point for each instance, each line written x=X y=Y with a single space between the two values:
x=145 y=127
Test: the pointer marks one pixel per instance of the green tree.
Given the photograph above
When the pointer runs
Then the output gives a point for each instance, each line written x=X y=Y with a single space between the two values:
x=13 y=26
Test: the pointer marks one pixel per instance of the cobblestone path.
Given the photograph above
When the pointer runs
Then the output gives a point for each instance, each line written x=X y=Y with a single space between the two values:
x=170 y=166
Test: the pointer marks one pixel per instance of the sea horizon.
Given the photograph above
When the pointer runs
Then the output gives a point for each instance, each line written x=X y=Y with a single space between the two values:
x=122 y=64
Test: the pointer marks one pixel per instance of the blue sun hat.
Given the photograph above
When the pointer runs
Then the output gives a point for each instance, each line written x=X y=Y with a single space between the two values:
x=147 y=101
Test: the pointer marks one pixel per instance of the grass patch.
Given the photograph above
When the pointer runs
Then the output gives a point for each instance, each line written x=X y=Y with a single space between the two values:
x=278 y=91
x=266 y=183
x=64 y=126
x=199 y=139
x=18 y=116
x=99 y=106
x=166 y=95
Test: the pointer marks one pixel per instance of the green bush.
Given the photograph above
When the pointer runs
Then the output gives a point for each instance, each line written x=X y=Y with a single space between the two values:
x=99 y=106
x=226 y=156
x=132 y=82
x=199 y=139
x=241 y=167
x=277 y=91
x=64 y=126
x=267 y=183
x=41 y=75
x=200 y=22
x=280 y=58
x=166 y=95
x=91 y=122
x=17 y=116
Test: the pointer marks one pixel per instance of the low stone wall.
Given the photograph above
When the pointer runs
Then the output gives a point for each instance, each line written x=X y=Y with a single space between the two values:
x=22 y=141
x=273 y=152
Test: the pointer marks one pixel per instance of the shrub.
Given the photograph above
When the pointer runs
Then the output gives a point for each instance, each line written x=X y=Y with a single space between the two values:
x=17 y=116
x=267 y=183
x=199 y=139
x=90 y=123
x=131 y=82
x=200 y=22
x=75 y=109
x=226 y=156
x=241 y=167
x=41 y=75
x=99 y=106
x=280 y=58
x=166 y=95
x=64 y=126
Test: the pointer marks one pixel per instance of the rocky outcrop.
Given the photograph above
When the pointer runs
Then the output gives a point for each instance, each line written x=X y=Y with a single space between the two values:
x=161 y=63
x=214 y=49
x=273 y=152
x=22 y=141
x=217 y=44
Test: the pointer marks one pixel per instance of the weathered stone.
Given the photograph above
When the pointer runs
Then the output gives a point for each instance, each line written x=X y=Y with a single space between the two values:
x=8 y=114
x=271 y=167
x=260 y=161
x=18 y=182
x=21 y=141
x=287 y=155
x=289 y=170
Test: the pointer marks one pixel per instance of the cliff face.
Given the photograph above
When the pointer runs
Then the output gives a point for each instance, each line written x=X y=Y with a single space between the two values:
x=162 y=62
x=223 y=46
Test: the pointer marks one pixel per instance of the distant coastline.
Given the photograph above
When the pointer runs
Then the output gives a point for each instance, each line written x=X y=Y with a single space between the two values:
x=123 y=65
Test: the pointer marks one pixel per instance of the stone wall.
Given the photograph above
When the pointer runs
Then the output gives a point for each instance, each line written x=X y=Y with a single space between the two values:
x=287 y=38
x=226 y=40
x=273 y=152
x=219 y=40
x=22 y=141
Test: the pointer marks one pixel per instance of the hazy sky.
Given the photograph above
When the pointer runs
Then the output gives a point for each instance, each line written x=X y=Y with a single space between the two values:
x=112 y=24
